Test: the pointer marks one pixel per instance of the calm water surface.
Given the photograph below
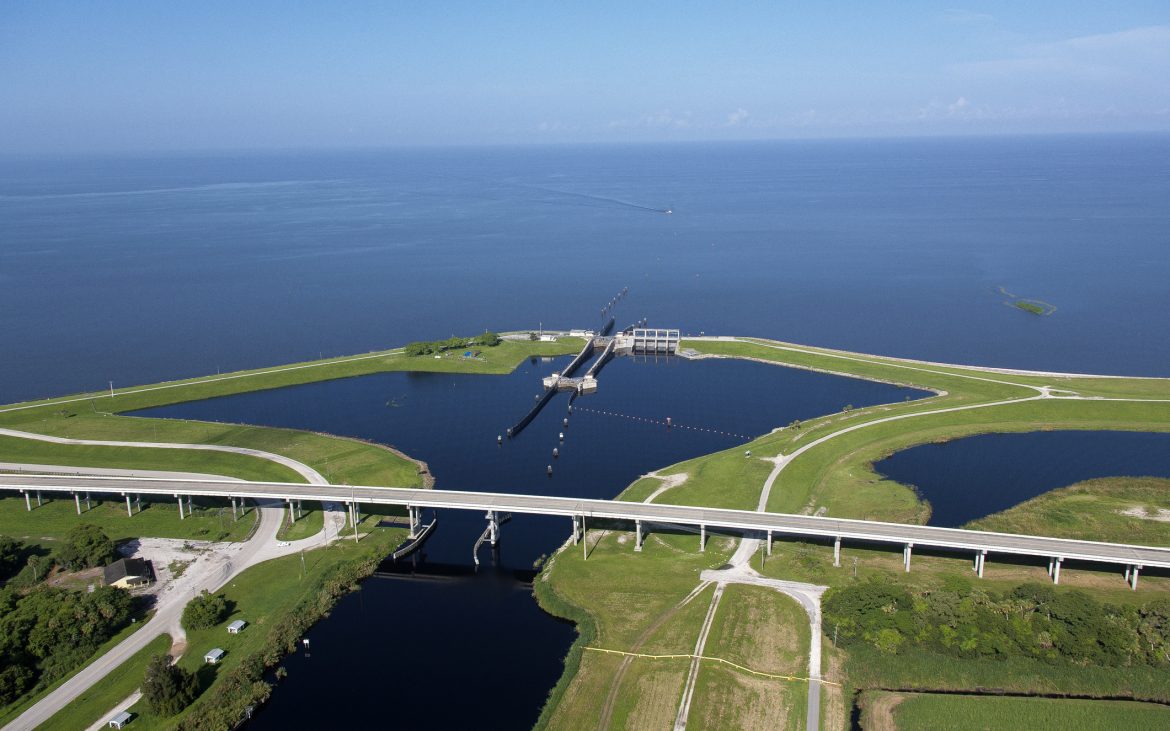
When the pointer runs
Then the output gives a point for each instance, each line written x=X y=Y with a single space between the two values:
x=156 y=268
x=972 y=477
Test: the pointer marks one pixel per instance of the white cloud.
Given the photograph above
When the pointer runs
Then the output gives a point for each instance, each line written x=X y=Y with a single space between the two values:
x=662 y=119
x=958 y=15
x=737 y=117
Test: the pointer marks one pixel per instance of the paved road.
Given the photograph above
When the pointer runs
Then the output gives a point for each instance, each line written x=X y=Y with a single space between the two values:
x=734 y=520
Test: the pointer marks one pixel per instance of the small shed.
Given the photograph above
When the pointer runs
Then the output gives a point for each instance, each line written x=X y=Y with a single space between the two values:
x=235 y=627
x=121 y=719
x=127 y=572
x=213 y=657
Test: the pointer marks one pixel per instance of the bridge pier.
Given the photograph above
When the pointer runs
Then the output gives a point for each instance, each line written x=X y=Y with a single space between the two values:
x=129 y=513
x=415 y=516
x=584 y=539
x=638 y=535
x=1131 y=575
x=837 y=552
x=702 y=538
x=576 y=537
x=906 y=556
x=87 y=505
x=235 y=517
x=1054 y=568
x=769 y=551
x=980 y=559
x=291 y=517
x=77 y=499
x=180 y=499
x=38 y=498
x=28 y=502
x=493 y=527
x=138 y=501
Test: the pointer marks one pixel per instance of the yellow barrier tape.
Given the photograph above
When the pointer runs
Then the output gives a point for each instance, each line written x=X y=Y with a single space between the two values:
x=795 y=678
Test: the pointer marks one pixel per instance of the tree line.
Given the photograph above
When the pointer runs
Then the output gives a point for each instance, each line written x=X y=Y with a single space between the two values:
x=46 y=632
x=487 y=339
x=1031 y=620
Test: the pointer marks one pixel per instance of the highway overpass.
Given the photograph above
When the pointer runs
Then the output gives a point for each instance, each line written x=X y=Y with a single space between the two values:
x=979 y=543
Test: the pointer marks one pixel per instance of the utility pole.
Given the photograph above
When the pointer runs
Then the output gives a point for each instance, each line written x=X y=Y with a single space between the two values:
x=111 y=389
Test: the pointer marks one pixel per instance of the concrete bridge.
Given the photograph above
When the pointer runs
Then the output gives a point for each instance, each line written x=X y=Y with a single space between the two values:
x=978 y=543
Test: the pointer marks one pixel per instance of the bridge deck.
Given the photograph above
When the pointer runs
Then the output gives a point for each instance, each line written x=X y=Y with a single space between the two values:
x=734 y=520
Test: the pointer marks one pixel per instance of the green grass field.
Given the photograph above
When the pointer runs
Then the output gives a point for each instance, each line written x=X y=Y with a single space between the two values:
x=211 y=521
x=1094 y=510
x=918 y=712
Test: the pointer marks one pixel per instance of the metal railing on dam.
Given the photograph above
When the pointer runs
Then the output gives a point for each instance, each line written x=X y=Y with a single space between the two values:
x=980 y=543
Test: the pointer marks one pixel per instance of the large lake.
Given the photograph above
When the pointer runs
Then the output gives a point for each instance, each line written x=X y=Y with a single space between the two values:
x=139 y=269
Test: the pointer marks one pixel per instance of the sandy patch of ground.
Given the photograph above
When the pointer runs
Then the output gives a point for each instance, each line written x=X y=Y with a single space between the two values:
x=879 y=711
x=1162 y=515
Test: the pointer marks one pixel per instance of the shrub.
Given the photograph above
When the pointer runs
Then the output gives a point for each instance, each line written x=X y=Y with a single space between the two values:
x=86 y=546
x=205 y=610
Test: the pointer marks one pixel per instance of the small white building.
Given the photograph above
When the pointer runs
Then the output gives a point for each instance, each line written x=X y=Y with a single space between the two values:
x=120 y=720
x=235 y=627
x=213 y=657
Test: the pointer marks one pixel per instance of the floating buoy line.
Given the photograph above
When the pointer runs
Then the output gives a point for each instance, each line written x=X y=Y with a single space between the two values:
x=667 y=422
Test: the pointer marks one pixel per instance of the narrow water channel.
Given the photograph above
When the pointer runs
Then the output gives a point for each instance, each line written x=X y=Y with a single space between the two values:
x=456 y=654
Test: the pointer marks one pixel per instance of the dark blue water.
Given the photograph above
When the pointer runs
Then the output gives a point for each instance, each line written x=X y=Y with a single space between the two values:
x=972 y=477
x=408 y=644
x=140 y=269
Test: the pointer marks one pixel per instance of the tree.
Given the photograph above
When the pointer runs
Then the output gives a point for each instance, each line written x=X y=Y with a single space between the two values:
x=86 y=546
x=10 y=553
x=205 y=610
x=168 y=688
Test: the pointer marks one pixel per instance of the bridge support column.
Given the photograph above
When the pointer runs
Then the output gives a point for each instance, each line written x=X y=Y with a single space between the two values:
x=1056 y=561
x=415 y=515
x=1133 y=576
x=493 y=527
x=129 y=513
x=87 y=506
x=906 y=556
x=291 y=517
x=180 y=497
x=702 y=538
x=235 y=517
x=28 y=502
x=637 y=535
x=576 y=537
x=769 y=551
x=584 y=539
x=190 y=508
x=38 y=498
x=77 y=499
x=837 y=552
x=980 y=560
x=138 y=501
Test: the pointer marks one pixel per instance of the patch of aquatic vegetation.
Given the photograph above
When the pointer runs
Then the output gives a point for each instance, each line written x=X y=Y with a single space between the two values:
x=1036 y=307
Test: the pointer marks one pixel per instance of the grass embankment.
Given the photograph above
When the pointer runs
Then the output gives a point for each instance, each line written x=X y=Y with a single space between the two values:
x=261 y=596
x=1111 y=509
x=836 y=476
x=763 y=630
x=912 y=711
x=630 y=602
x=310 y=523
x=49 y=523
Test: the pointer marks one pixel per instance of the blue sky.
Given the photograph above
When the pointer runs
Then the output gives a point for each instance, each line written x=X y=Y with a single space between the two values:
x=97 y=76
